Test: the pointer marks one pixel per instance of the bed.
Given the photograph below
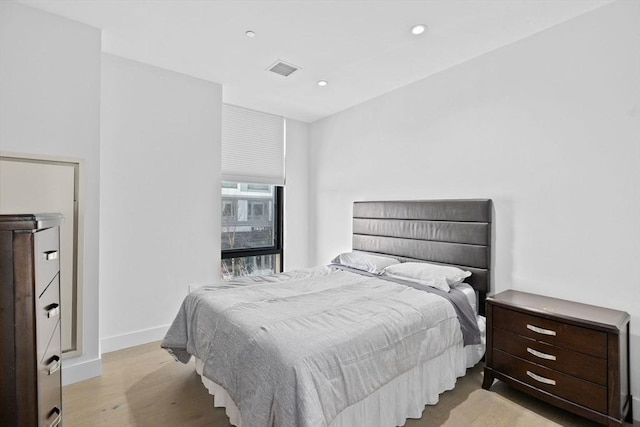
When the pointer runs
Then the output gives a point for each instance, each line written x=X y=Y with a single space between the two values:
x=343 y=345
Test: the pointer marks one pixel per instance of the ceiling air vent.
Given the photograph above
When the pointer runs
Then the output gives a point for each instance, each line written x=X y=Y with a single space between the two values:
x=282 y=68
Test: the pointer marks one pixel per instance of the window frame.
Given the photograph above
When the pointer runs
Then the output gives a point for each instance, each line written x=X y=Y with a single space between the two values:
x=277 y=248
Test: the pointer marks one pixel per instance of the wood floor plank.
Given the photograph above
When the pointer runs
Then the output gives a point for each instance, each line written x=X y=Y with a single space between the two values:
x=144 y=387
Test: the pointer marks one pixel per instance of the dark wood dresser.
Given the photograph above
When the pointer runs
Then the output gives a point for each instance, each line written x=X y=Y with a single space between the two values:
x=572 y=355
x=30 y=315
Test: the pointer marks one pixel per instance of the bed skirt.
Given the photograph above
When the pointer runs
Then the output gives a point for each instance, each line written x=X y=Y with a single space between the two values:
x=402 y=398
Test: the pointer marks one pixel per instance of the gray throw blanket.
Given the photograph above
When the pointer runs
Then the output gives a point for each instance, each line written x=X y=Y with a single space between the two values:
x=466 y=315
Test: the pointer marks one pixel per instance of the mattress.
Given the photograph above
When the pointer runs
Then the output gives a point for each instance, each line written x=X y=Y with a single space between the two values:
x=471 y=295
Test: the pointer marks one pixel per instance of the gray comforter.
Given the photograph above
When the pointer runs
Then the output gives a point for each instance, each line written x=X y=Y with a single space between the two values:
x=297 y=348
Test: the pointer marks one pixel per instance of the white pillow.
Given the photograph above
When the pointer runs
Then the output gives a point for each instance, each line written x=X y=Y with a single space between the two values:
x=364 y=261
x=437 y=276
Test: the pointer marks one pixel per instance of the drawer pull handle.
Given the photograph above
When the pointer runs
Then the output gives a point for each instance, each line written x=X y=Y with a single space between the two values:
x=49 y=255
x=53 y=311
x=55 y=366
x=541 y=379
x=541 y=331
x=541 y=355
x=57 y=419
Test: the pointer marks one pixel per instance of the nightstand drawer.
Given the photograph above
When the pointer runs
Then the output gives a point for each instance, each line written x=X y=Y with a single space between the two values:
x=587 y=367
x=573 y=389
x=583 y=340
x=46 y=255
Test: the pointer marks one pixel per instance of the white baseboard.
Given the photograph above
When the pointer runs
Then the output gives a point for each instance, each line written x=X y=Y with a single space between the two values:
x=635 y=404
x=132 y=339
x=81 y=371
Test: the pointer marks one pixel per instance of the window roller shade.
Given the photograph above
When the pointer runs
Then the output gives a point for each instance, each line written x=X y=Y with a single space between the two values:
x=252 y=146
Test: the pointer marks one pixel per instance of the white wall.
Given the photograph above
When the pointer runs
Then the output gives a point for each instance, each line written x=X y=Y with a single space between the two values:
x=50 y=106
x=548 y=127
x=296 y=204
x=160 y=196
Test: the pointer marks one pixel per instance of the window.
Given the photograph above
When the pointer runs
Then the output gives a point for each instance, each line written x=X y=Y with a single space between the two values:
x=251 y=229
x=259 y=187
x=228 y=208
x=253 y=167
x=257 y=211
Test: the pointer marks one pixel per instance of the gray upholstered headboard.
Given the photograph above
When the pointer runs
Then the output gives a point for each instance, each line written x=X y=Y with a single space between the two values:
x=448 y=232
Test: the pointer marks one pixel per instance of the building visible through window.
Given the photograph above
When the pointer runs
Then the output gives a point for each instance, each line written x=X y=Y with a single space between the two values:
x=251 y=229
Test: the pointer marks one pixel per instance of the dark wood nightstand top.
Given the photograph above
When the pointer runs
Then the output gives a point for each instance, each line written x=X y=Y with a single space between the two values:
x=573 y=312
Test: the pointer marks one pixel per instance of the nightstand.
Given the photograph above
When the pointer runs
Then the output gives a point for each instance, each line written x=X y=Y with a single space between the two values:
x=572 y=355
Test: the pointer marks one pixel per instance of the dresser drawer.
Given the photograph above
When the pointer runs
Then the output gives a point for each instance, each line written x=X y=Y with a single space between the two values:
x=49 y=383
x=53 y=418
x=48 y=315
x=583 y=340
x=570 y=362
x=573 y=389
x=46 y=253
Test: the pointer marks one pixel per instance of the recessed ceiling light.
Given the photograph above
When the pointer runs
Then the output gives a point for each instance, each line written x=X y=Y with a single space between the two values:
x=250 y=33
x=416 y=30
x=322 y=83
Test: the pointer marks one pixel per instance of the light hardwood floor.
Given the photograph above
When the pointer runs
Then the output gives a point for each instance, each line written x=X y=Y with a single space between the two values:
x=144 y=386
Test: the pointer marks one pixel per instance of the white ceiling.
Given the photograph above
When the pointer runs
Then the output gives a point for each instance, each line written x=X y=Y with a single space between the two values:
x=362 y=48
